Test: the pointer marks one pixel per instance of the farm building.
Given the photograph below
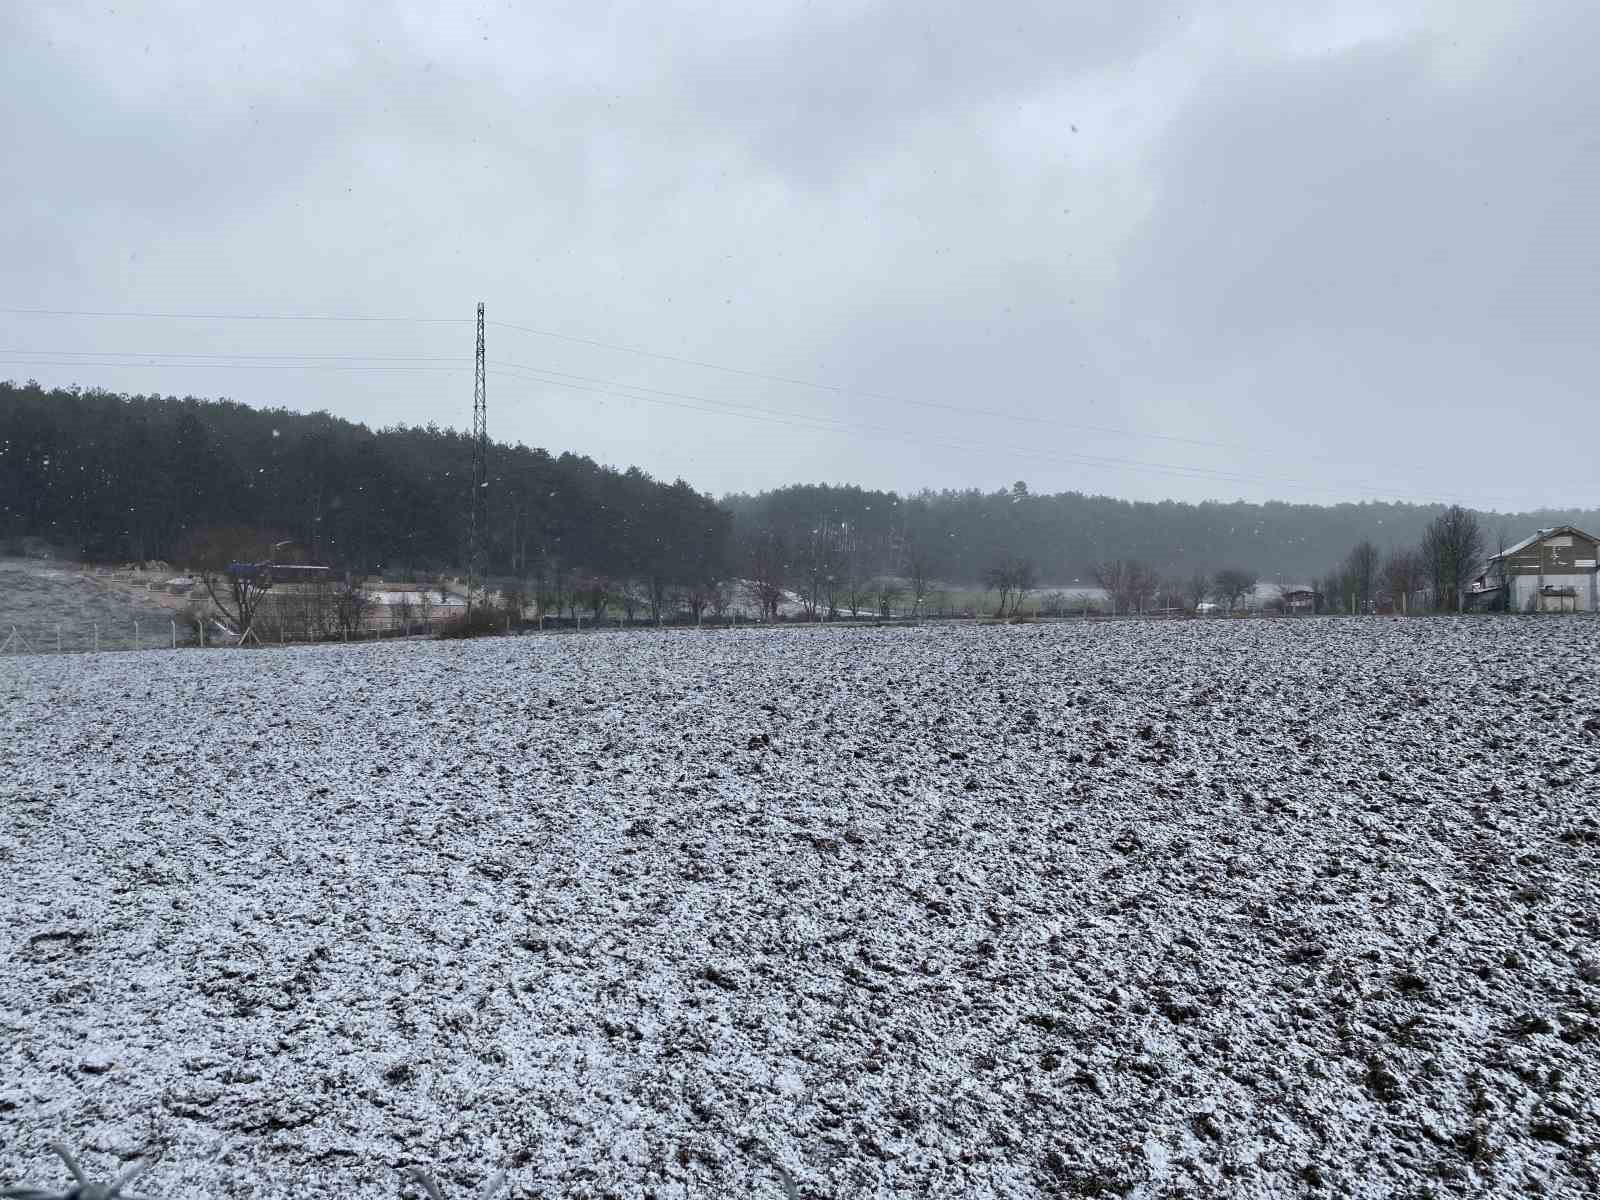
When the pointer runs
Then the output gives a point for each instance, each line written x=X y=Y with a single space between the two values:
x=1299 y=601
x=1554 y=570
x=394 y=605
x=299 y=573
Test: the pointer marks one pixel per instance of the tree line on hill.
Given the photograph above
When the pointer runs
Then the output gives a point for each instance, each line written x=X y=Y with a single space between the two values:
x=961 y=536
x=119 y=478
x=139 y=478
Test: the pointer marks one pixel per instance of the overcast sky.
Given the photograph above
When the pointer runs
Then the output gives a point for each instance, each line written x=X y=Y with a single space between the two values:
x=1145 y=249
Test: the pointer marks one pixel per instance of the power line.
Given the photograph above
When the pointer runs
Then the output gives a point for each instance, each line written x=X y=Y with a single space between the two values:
x=718 y=407
x=452 y=358
x=179 y=316
x=823 y=425
x=831 y=425
x=706 y=364
x=236 y=366
x=841 y=390
x=734 y=408
x=807 y=421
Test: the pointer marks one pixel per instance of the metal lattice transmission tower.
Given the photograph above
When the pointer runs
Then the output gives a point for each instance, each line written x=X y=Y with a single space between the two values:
x=478 y=505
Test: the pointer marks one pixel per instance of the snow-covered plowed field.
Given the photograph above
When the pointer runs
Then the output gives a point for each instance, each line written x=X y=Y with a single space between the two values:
x=1217 y=908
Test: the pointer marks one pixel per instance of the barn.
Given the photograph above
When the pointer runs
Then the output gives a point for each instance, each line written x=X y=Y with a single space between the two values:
x=1300 y=601
x=1554 y=570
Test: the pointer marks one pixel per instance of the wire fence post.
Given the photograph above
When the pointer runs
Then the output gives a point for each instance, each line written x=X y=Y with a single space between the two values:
x=200 y=628
x=136 y=644
x=97 y=637
x=58 y=637
x=174 y=633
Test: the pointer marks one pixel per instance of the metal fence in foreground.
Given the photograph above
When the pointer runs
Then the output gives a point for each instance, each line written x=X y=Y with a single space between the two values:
x=92 y=637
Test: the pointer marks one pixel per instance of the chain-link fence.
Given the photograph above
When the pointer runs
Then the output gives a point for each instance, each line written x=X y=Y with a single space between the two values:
x=88 y=637
x=93 y=637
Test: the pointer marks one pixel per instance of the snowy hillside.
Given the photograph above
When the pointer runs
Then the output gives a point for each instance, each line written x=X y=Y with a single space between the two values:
x=1246 y=908
x=43 y=599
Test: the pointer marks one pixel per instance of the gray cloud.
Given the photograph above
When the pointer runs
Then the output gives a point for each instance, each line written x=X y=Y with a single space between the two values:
x=819 y=95
x=1349 y=244
x=1373 y=236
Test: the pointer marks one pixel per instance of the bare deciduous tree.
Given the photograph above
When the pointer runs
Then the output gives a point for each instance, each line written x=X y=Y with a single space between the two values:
x=1197 y=590
x=885 y=592
x=658 y=591
x=1142 y=586
x=721 y=599
x=1401 y=576
x=631 y=596
x=404 y=611
x=1013 y=578
x=512 y=601
x=554 y=581
x=1112 y=577
x=813 y=561
x=1360 y=575
x=700 y=596
x=1024 y=579
x=998 y=579
x=919 y=578
x=594 y=592
x=1325 y=591
x=350 y=605
x=1127 y=582
x=1233 y=584
x=1451 y=548
x=235 y=565
x=857 y=591
x=768 y=566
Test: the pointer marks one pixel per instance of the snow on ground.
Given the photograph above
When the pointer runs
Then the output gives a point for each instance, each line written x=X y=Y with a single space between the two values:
x=37 y=597
x=1247 y=908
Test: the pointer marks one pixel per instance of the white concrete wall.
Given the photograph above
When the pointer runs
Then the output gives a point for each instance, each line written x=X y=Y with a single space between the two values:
x=1525 y=590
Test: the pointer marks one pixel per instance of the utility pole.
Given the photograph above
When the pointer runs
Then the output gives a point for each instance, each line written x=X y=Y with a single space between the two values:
x=478 y=508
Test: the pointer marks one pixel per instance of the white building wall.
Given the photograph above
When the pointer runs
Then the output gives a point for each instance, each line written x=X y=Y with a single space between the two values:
x=1525 y=590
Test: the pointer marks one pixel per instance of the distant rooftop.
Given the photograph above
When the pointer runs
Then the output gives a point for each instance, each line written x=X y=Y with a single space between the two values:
x=1539 y=536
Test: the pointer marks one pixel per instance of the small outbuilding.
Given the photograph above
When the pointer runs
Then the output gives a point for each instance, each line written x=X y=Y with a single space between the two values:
x=1300 y=601
x=1554 y=570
